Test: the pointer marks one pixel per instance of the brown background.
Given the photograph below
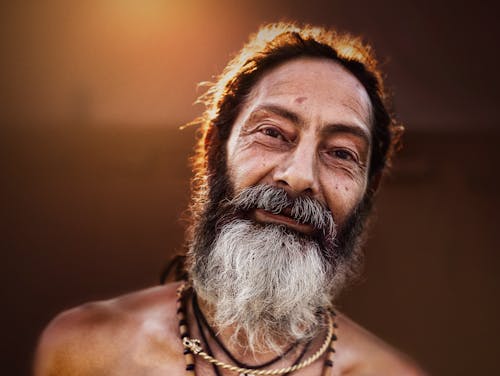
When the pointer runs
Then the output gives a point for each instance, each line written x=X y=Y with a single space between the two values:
x=95 y=175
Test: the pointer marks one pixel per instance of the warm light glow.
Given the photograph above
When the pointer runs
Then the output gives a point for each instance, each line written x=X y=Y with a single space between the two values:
x=134 y=16
x=119 y=62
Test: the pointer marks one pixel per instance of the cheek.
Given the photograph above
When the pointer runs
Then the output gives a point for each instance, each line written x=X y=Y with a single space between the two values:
x=247 y=168
x=343 y=195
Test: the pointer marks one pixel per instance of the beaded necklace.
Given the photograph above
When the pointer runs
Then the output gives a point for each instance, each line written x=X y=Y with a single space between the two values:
x=192 y=347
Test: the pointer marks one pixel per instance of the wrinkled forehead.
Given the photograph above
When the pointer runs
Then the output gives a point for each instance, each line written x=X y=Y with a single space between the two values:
x=315 y=92
x=320 y=80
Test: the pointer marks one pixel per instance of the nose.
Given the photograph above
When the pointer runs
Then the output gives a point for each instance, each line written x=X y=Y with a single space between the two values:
x=297 y=172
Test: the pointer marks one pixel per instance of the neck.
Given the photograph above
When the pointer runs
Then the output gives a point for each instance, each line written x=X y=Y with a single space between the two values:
x=235 y=342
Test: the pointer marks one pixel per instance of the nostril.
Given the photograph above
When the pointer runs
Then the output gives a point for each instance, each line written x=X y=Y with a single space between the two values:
x=283 y=183
x=308 y=191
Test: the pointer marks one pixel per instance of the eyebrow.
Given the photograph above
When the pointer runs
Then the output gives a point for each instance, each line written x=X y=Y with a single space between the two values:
x=281 y=112
x=344 y=128
x=329 y=129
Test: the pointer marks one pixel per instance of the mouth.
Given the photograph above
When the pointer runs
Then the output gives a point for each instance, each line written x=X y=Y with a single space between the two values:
x=264 y=216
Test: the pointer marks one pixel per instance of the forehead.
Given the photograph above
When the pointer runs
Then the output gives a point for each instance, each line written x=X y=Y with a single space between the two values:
x=321 y=87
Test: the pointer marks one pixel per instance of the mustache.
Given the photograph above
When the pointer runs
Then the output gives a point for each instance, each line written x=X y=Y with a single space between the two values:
x=303 y=209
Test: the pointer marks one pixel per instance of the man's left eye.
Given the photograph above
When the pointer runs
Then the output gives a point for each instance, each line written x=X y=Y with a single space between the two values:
x=343 y=154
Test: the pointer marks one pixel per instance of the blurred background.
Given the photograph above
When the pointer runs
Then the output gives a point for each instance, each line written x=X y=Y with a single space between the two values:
x=95 y=173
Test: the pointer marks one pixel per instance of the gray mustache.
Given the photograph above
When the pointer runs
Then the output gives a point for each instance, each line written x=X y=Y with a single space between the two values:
x=302 y=209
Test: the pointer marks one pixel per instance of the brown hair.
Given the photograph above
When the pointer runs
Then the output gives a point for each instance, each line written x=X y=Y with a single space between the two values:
x=272 y=45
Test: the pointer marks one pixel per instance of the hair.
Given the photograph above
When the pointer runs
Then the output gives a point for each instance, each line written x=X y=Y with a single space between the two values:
x=272 y=45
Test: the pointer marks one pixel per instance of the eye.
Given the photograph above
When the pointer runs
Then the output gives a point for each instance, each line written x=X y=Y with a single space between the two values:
x=343 y=154
x=273 y=132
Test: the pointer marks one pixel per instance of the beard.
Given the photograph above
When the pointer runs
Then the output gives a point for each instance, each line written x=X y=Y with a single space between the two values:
x=267 y=282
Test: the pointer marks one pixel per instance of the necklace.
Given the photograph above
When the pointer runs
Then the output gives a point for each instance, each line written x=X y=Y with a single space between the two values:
x=193 y=347
x=202 y=320
x=197 y=313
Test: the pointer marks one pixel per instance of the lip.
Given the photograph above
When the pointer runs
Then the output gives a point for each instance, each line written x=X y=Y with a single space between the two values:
x=263 y=216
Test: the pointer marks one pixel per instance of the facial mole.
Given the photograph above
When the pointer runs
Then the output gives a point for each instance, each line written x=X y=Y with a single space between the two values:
x=300 y=100
x=346 y=189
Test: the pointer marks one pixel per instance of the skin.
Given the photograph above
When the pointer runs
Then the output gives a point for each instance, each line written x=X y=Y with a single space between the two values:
x=299 y=132
x=305 y=127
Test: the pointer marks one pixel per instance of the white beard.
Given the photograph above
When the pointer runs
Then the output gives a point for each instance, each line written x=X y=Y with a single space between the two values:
x=267 y=284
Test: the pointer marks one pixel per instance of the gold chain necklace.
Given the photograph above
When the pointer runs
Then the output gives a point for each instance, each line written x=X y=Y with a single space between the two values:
x=193 y=347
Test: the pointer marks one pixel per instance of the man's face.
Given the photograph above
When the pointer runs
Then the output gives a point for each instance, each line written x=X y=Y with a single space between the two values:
x=306 y=127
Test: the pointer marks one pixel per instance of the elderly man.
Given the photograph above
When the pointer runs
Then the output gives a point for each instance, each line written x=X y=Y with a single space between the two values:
x=295 y=139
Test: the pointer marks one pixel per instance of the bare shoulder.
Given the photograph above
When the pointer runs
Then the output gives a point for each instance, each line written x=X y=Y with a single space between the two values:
x=362 y=353
x=90 y=338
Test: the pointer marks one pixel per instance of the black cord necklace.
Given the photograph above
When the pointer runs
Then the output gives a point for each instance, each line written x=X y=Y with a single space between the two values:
x=202 y=321
x=197 y=314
